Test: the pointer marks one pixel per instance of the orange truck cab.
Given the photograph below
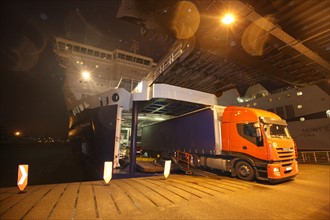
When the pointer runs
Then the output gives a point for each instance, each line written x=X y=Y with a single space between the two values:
x=257 y=144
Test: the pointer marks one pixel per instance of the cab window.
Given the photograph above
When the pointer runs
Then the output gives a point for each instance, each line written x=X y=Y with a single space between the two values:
x=249 y=132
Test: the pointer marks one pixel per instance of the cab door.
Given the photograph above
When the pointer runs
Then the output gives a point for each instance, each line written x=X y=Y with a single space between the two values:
x=250 y=140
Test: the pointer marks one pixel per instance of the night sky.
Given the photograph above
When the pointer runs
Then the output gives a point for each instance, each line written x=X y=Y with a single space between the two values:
x=31 y=79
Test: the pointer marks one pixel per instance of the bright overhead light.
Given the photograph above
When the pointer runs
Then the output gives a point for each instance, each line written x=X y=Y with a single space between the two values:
x=86 y=75
x=328 y=113
x=228 y=19
x=159 y=119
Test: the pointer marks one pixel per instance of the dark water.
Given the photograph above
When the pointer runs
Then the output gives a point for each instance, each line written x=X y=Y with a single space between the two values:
x=48 y=163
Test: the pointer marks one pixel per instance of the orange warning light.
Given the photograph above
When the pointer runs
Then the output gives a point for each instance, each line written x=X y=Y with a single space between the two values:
x=22 y=177
x=107 y=173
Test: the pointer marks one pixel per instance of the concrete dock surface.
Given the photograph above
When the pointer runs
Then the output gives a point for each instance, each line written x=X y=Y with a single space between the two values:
x=178 y=197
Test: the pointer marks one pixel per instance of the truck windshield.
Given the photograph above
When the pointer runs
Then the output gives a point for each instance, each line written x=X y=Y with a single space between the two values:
x=276 y=131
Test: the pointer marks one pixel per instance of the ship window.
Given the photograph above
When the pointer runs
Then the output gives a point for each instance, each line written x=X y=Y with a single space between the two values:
x=102 y=55
x=139 y=60
x=69 y=47
x=96 y=54
x=76 y=49
x=121 y=56
x=83 y=50
x=108 y=57
x=90 y=52
x=146 y=62
x=61 y=46
x=129 y=58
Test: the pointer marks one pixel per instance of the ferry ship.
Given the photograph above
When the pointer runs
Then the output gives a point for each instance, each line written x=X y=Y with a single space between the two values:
x=97 y=90
x=306 y=109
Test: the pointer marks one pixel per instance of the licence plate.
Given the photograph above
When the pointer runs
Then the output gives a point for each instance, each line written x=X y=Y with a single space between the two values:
x=288 y=168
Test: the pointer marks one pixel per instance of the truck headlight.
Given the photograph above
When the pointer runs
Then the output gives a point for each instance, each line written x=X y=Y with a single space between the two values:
x=276 y=171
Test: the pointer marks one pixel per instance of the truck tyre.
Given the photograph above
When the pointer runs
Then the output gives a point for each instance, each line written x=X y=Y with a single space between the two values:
x=244 y=171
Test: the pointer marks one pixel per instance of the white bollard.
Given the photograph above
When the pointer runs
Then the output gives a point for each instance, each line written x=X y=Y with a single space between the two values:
x=167 y=168
x=107 y=173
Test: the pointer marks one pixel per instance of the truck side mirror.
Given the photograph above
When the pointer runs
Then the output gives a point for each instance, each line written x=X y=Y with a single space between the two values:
x=259 y=138
x=258 y=132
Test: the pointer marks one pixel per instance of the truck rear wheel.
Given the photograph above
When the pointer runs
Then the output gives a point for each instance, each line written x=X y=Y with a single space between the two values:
x=244 y=171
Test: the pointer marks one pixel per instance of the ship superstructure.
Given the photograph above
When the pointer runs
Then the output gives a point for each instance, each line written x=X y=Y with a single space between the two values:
x=91 y=72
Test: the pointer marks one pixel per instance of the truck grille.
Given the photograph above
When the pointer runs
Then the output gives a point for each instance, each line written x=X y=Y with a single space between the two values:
x=285 y=153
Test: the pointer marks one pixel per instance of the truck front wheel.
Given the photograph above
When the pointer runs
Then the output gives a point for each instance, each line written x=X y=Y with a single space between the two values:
x=244 y=171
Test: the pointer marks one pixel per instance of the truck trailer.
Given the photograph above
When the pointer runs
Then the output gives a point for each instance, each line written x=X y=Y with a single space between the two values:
x=249 y=143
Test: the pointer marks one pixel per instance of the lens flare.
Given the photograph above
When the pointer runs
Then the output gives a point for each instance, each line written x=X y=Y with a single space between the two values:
x=86 y=75
x=228 y=19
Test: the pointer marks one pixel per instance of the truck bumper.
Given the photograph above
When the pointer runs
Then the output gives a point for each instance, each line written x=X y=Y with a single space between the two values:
x=282 y=170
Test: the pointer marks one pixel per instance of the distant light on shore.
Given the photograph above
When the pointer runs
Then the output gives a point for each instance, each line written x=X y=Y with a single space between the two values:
x=18 y=133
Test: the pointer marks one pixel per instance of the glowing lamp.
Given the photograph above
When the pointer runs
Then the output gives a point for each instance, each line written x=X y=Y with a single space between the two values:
x=107 y=173
x=228 y=19
x=167 y=168
x=17 y=133
x=86 y=75
x=22 y=177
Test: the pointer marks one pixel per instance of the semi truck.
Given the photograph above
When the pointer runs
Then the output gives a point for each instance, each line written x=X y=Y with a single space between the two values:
x=249 y=143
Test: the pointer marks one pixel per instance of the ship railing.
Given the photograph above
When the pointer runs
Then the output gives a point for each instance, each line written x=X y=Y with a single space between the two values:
x=178 y=48
x=318 y=157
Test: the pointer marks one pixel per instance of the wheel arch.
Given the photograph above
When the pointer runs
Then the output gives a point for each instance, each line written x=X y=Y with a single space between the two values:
x=238 y=159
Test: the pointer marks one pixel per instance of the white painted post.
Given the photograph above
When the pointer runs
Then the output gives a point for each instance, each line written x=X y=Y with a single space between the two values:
x=107 y=173
x=167 y=168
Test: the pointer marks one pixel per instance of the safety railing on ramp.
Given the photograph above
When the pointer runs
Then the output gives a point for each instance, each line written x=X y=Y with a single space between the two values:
x=183 y=160
x=319 y=157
